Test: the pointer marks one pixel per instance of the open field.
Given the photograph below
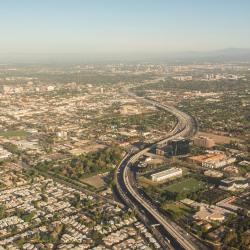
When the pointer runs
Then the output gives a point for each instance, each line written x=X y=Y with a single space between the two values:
x=176 y=209
x=218 y=139
x=189 y=185
x=13 y=133
x=89 y=148
x=145 y=182
x=156 y=159
x=95 y=181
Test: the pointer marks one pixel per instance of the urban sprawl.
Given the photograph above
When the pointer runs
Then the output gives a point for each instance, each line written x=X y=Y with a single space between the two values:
x=125 y=156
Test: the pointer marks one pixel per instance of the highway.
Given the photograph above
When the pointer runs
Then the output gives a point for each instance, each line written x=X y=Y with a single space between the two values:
x=170 y=235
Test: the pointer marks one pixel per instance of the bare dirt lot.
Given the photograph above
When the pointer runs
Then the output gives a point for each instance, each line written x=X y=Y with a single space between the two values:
x=219 y=139
x=155 y=159
x=95 y=181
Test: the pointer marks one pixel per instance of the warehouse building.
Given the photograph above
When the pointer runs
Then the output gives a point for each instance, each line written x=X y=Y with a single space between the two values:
x=166 y=174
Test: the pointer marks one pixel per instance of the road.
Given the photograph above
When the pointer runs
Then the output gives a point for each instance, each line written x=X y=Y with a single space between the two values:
x=176 y=237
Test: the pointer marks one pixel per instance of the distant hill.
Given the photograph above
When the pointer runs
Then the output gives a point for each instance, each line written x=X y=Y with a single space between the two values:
x=230 y=54
x=224 y=55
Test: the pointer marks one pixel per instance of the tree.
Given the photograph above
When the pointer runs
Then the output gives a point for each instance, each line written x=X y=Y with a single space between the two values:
x=229 y=237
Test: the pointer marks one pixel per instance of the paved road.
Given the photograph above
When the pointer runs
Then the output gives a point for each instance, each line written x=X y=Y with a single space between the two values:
x=186 y=127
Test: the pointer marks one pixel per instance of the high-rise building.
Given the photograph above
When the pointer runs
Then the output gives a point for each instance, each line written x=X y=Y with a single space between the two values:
x=174 y=147
x=178 y=146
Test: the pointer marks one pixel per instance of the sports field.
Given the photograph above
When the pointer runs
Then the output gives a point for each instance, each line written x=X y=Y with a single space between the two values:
x=188 y=185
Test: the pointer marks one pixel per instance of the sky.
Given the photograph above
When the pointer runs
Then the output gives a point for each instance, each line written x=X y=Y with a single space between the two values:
x=122 y=26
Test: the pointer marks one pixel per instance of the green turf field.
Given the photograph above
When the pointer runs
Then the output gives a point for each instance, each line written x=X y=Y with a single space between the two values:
x=188 y=185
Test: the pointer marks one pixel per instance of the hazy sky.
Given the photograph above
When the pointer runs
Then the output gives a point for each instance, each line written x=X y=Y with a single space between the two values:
x=122 y=26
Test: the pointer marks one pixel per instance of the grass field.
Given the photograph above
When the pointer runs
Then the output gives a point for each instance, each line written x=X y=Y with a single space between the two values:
x=188 y=185
x=13 y=133
x=177 y=210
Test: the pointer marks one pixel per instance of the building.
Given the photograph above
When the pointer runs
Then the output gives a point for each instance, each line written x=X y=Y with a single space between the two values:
x=204 y=142
x=179 y=146
x=213 y=173
x=50 y=88
x=166 y=174
x=227 y=204
x=219 y=163
x=231 y=169
x=213 y=159
x=234 y=183
x=209 y=157
x=206 y=212
x=210 y=214
x=183 y=78
x=62 y=134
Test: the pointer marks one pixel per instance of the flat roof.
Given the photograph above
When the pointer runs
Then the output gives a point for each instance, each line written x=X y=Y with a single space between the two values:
x=166 y=172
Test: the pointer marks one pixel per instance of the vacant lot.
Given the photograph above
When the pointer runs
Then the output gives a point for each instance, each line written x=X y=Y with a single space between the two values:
x=219 y=139
x=95 y=181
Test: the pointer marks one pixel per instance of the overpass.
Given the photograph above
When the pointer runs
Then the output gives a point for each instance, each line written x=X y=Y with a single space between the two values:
x=186 y=127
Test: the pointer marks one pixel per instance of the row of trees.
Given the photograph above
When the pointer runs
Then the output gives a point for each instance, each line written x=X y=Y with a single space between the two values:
x=172 y=84
x=85 y=164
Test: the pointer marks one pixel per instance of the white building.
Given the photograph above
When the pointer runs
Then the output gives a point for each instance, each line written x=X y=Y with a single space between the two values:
x=166 y=174
x=218 y=163
x=50 y=88
x=234 y=183
x=183 y=78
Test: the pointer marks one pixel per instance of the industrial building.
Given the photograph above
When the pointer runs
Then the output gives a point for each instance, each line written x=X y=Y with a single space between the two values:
x=166 y=174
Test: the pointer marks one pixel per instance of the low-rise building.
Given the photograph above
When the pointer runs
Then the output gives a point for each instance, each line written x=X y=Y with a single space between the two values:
x=234 y=183
x=213 y=173
x=219 y=163
x=166 y=174
x=214 y=159
x=209 y=157
x=203 y=141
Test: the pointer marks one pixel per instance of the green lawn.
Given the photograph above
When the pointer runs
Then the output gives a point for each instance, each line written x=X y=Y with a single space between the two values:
x=13 y=133
x=187 y=185
x=177 y=210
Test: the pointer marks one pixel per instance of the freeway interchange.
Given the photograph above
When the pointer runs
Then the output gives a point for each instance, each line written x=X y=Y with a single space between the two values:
x=168 y=233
